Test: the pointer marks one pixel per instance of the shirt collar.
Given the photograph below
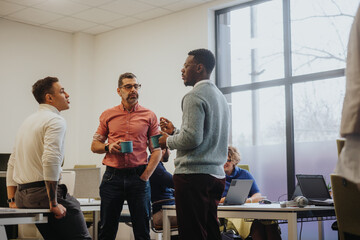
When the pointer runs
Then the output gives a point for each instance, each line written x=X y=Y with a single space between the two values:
x=44 y=106
x=236 y=171
x=202 y=82
x=133 y=110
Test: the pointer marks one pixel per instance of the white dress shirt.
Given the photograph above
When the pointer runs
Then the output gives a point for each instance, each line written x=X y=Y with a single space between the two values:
x=39 y=148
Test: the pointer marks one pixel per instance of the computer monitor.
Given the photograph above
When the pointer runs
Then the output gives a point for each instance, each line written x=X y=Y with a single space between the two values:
x=4 y=158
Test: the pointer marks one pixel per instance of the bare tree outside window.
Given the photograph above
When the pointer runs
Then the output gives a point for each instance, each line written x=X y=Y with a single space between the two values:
x=280 y=64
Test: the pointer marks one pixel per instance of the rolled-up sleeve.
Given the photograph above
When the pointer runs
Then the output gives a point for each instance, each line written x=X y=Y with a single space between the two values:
x=10 y=171
x=53 y=148
x=153 y=129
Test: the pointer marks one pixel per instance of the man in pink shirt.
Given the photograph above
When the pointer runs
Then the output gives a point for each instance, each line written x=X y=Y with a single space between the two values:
x=127 y=174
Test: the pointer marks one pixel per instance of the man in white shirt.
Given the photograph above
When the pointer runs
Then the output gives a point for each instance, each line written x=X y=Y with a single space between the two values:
x=34 y=166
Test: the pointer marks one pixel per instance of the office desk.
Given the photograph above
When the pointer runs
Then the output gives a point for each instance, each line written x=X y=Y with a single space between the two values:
x=260 y=211
x=93 y=206
x=11 y=216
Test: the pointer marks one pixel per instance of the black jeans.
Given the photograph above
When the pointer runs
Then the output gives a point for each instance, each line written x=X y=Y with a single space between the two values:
x=117 y=186
x=72 y=226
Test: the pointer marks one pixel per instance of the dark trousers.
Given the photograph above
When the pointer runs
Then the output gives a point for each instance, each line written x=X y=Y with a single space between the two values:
x=72 y=226
x=260 y=231
x=117 y=186
x=197 y=197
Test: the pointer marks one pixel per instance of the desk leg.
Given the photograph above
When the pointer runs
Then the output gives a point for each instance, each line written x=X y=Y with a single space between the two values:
x=96 y=219
x=3 y=232
x=321 y=229
x=166 y=225
x=292 y=226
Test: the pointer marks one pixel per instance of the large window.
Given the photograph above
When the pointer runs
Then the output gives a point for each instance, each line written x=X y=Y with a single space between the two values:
x=281 y=66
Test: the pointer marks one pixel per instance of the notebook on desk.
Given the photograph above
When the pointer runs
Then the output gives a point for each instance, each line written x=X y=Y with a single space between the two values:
x=238 y=191
x=314 y=188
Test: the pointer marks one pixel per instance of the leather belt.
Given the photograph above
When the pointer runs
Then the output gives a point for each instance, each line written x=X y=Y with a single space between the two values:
x=31 y=185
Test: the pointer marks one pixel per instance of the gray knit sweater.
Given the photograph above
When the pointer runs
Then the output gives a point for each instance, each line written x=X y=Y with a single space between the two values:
x=202 y=140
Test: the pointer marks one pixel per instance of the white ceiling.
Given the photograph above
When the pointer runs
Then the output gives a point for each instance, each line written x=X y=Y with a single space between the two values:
x=90 y=16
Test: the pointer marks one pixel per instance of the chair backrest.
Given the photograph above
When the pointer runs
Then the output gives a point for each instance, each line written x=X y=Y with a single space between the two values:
x=346 y=197
x=159 y=228
x=87 y=182
x=85 y=166
x=244 y=166
x=68 y=178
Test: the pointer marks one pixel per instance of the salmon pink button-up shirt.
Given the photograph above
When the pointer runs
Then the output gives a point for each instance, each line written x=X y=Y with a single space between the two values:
x=137 y=126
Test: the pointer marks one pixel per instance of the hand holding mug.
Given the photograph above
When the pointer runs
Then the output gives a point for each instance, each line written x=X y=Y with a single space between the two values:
x=115 y=147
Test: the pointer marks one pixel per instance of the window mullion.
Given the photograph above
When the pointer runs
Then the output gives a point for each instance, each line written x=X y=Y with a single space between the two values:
x=290 y=143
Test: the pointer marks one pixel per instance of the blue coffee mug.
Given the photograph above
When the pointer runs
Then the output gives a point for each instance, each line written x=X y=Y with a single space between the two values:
x=155 y=140
x=126 y=147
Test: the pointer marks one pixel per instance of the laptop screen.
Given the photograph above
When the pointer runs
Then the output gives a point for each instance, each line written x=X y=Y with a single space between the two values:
x=238 y=191
x=313 y=186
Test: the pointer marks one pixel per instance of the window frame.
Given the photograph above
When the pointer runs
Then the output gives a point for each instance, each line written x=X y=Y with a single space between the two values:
x=288 y=81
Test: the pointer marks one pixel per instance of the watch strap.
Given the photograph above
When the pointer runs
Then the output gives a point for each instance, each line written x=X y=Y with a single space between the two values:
x=11 y=200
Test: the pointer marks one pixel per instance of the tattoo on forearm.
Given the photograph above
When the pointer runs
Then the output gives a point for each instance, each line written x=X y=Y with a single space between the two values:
x=51 y=188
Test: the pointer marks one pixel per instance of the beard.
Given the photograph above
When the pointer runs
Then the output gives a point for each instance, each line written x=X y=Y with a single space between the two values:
x=189 y=82
x=132 y=98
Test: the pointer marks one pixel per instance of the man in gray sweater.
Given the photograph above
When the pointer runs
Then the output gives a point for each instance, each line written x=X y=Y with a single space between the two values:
x=201 y=146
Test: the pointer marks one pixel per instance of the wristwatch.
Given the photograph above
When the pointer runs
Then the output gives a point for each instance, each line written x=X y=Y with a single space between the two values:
x=106 y=147
x=10 y=200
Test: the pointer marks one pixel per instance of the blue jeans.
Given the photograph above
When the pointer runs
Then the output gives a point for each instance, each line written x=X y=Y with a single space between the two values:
x=117 y=186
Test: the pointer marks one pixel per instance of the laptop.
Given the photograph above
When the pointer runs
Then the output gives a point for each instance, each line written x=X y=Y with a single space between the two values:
x=314 y=188
x=238 y=191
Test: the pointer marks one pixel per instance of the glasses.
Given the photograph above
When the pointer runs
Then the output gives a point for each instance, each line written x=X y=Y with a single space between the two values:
x=130 y=86
x=229 y=160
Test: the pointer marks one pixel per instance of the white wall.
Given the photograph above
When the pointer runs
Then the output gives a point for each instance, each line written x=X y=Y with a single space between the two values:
x=88 y=67
x=155 y=51
x=27 y=54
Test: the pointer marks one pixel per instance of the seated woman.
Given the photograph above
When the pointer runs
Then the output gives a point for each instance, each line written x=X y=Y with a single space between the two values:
x=258 y=230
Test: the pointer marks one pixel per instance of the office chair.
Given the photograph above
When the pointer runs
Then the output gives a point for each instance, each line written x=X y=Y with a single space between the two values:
x=236 y=224
x=346 y=197
x=159 y=228
x=340 y=143
x=88 y=215
x=68 y=178
x=85 y=166
x=244 y=166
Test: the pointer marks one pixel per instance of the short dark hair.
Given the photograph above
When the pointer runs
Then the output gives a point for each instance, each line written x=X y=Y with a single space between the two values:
x=125 y=75
x=43 y=87
x=205 y=57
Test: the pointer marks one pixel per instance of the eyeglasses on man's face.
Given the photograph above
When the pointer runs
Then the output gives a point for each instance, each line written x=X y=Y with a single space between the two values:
x=130 y=86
